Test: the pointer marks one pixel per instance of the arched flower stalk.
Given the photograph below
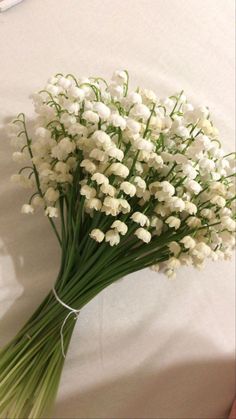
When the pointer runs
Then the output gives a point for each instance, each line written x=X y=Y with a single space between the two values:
x=127 y=181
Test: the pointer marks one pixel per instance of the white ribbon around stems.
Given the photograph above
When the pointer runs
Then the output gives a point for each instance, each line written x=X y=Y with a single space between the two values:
x=71 y=311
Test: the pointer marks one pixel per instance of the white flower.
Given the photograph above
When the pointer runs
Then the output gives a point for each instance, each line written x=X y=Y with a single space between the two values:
x=173 y=263
x=193 y=186
x=207 y=213
x=201 y=250
x=87 y=191
x=162 y=190
x=94 y=203
x=140 y=111
x=119 y=169
x=100 y=179
x=205 y=125
x=156 y=123
x=170 y=273
x=98 y=155
x=76 y=93
x=162 y=210
x=51 y=212
x=63 y=148
x=180 y=158
x=128 y=188
x=45 y=174
x=115 y=90
x=145 y=198
x=112 y=237
x=77 y=128
x=143 y=235
x=218 y=188
x=64 y=82
x=189 y=171
x=54 y=90
x=27 y=209
x=97 y=235
x=119 y=77
x=193 y=222
x=162 y=196
x=51 y=195
x=201 y=112
x=176 y=204
x=155 y=267
x=111 y=206
x=108 y=189
x=190 y=207
x=188 y=242
x=140 y=183
x=67 y=120
x=218 y=200
x=207 y=165
x=194 y=152
x=145 y=145
x=72 y=107
x=115 y=153
x=143 y=156
x=140 y=218
x=38 y=201
x=167 y=188
x=173 y=222
x=148 y=95
x=88 y=165
x=91 y=116
x=102 y=110
x=124 y=206
x=155 y=161
x=133 y=126
x=67 y=145
x=133 y=98
x=174 y=248
x=227 y=238
x=185 y=259
x=60 y=167
x=120 y=227
x=182 y=131
x=42 y=132
x=228 y=223
x=102 y=139
x=225 y=211
x=215 y=151
x=117 y=121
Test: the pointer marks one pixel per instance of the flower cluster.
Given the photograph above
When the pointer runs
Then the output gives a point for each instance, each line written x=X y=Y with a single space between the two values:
x=146 y=172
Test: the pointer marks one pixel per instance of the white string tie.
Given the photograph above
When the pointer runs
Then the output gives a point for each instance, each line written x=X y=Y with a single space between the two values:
x=71 y=311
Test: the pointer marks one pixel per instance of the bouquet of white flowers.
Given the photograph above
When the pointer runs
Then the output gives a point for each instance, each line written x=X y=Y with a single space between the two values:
x=127 y=181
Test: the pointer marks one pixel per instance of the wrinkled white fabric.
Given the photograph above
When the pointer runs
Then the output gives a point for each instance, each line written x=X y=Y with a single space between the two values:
x=7 y=4
x=146 y=347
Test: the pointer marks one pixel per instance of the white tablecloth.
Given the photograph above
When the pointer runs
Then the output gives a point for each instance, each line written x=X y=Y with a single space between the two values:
x=146 y=347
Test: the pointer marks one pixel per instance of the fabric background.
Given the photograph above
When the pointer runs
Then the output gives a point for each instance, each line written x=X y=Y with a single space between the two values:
x=146 y=347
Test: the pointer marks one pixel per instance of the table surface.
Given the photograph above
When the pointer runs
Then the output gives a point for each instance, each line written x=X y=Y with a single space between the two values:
x=146 y=347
